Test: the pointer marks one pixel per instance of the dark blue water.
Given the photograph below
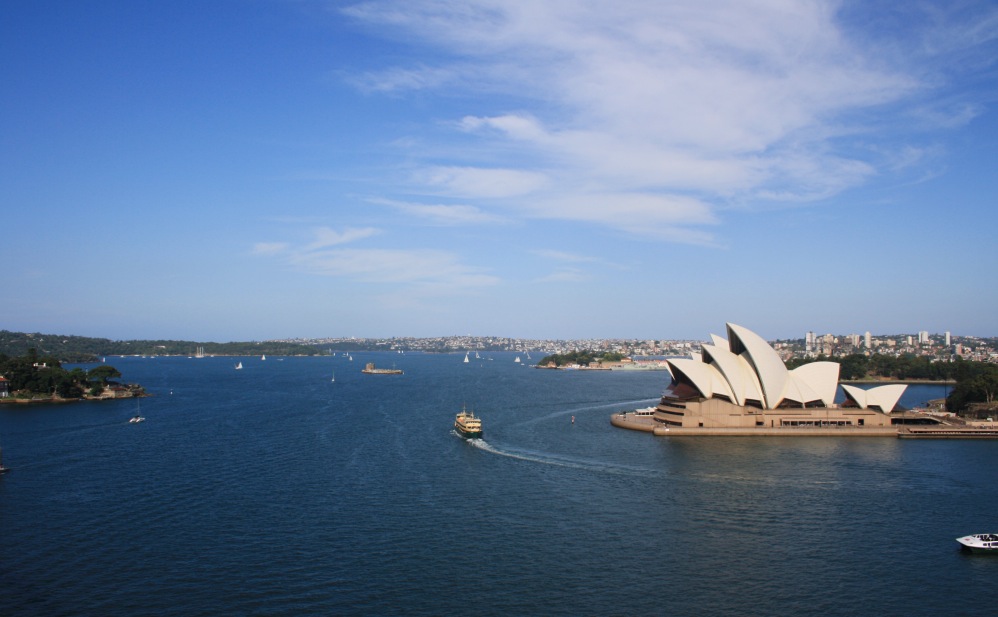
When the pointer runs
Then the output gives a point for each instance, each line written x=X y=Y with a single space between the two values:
x=272 y=491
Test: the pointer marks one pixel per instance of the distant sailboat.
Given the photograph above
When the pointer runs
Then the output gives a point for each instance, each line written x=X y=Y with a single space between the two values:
x=466 y=357
x=263 y=357
x=517 y=360
x=138 y=415
x=334 y=378
x=239 y=366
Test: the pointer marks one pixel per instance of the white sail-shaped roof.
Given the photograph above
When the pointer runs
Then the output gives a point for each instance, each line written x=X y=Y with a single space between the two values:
x=704 y=377
x=753 y=389
x=718 y=341
x=884 y=398
x=770 y=369
x=748 y=371
x=799 y=391
x=820 y=377
x=738 y=374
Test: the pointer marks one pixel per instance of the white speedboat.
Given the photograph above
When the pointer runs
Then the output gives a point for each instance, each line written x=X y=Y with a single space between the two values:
x=980 y=543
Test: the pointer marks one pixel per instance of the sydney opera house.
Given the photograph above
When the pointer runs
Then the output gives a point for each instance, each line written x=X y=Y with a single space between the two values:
x=742 y=383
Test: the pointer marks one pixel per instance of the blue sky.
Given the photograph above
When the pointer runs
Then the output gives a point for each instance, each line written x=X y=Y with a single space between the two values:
x=256 y=169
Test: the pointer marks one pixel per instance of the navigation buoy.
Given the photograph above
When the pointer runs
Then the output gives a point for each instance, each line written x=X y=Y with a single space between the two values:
x=573 y=419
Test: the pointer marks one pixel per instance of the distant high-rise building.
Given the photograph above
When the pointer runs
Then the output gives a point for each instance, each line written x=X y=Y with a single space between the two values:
x=868 y=339
x=947 y=339
x=923 y=337
x=809 y=342
x=909 y=340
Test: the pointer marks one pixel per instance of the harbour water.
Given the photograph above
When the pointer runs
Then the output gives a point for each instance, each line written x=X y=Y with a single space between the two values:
x=274 y=490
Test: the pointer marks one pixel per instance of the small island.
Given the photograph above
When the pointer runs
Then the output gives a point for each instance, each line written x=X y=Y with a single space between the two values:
x=370 y=369
x=42 y=379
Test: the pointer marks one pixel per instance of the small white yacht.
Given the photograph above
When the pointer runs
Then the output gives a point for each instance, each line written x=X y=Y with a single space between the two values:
x=138 y=414
x=980 y=543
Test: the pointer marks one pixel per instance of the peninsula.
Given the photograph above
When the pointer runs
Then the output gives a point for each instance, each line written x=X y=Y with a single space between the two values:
x=42 y=379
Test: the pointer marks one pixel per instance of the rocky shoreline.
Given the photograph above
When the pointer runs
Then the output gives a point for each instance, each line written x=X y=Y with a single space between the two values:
x=126 y=392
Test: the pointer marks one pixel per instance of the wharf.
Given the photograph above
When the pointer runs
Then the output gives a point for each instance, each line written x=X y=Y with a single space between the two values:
x=947 y=433
x=648 y=424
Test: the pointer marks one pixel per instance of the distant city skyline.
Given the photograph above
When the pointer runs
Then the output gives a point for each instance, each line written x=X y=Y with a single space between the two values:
x=622 y=170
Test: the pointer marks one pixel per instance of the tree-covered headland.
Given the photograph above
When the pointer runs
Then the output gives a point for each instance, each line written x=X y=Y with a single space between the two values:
x=33 y=377
x=586 y=357
x=70 y=348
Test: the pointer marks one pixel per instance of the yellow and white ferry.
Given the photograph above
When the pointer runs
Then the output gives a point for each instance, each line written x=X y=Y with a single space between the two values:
x=468 y=425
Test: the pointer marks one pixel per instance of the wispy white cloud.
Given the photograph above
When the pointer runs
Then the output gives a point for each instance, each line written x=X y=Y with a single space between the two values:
x=402 y=79
x=566 y=275
x=478 y=182
x=324 y=256
x=563 y=256
x=442 y=214
x=269 y=248
x=650 y=115
x=327 y=236
x=423 y=266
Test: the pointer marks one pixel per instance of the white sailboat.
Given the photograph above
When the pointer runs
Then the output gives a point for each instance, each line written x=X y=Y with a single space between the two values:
x=239 y=366
x=138 y=415
x=517 y=360
x=264 y=357
x=334 y=378
x=466 y=357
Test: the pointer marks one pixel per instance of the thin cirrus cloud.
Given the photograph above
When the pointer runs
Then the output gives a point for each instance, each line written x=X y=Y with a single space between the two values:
x=326 y=255
x=417 y=266
x=663 y=112
x=442 y=214
x=326 y=236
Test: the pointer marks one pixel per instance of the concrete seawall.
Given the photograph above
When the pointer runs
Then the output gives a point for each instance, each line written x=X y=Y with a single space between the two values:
x=648 y=424
x=671 y=431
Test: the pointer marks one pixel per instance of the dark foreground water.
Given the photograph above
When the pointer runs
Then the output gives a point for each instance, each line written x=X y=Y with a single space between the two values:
x=273 y=491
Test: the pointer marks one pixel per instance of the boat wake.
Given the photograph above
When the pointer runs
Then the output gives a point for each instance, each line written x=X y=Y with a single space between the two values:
x=581 y=409
x=559 y=460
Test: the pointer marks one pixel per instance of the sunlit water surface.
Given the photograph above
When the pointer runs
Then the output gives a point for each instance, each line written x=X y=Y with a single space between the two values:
x=274 y=490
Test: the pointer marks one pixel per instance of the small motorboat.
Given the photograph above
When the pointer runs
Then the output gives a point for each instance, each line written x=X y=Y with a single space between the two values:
x=979 y=543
